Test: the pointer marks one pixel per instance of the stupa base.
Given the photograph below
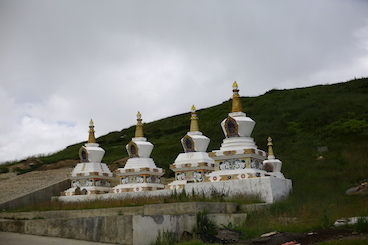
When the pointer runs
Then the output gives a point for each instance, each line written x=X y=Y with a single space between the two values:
x=137 y=187
x=268 y=189
x=92 y=190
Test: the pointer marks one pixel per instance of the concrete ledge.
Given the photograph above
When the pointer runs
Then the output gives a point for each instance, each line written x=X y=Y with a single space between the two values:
x=65 y=214
x=190 y=208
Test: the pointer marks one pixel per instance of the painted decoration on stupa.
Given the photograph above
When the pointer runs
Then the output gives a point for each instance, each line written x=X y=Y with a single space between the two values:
x=140 y=172
x=194 y=164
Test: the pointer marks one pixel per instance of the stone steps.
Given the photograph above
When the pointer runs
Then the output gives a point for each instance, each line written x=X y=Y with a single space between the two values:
x=24 y=184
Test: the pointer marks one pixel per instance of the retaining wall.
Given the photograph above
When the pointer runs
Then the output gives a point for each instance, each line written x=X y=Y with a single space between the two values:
x=37 y=196
x=141 y=226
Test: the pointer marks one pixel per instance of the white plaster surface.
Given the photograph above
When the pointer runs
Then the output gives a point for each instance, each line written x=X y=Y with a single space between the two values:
x=276 y=163
x=144 y=147
x=95 y=153
x=139 y=162
x=237 y=143
x=200 y=141
x=245 y=124
x=194 y=158
x=87 y=167
x=269 y=189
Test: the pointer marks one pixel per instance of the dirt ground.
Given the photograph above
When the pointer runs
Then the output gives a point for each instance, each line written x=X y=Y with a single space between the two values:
x=9 y=238
x=226 y=236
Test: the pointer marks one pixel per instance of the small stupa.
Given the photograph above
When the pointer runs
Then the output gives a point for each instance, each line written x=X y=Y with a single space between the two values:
x=192 y=165
x=271 y=164
x=238 y=157
x=90 y=176
x=140 y=172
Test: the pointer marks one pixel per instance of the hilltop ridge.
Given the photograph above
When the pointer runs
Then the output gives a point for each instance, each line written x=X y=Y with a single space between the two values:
x=299 y=121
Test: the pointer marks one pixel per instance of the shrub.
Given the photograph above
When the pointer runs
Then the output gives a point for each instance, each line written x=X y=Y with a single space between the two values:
x=204 y=225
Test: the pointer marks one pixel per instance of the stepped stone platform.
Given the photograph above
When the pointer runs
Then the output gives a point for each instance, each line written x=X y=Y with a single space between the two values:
x=23 y=185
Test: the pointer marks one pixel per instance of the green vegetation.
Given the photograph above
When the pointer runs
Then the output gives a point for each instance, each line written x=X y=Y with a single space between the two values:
x=299 y=120
x=293 y=215
x=204 y=225
x=166 y=238
x=133 y=201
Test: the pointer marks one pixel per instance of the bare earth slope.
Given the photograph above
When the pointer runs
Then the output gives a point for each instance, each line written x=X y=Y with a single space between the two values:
x=21 y=185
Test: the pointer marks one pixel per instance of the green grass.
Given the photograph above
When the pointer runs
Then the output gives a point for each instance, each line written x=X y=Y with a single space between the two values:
x=300 y=215
x=175 y=197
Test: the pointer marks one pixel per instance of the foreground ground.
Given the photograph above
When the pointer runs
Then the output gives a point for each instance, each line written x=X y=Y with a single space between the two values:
x=314 y=237
x=9 y=238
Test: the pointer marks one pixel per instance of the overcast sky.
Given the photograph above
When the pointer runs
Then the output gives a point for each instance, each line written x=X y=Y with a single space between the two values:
x=65 y=62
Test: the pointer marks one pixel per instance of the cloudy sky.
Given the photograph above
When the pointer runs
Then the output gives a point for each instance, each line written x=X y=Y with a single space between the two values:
x=65 y=62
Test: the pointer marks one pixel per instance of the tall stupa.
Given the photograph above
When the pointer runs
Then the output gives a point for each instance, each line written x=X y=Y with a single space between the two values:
x=238 y=157
x=90 y=176
x=140 y=172
x=194 y=164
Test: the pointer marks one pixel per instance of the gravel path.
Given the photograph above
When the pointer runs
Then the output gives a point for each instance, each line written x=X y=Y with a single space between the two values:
x=9 y=238
x=26 y=183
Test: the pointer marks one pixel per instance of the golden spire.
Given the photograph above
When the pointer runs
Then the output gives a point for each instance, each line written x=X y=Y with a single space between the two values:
x=270 y=150
x=139 y=127
x=194 y=120
x=237 y=107
x=91 y=136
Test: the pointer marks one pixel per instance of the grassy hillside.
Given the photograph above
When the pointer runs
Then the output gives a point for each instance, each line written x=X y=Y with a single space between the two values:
x=299 y=121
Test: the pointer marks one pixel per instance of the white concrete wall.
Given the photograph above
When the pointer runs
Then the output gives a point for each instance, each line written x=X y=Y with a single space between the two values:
x=269 y=189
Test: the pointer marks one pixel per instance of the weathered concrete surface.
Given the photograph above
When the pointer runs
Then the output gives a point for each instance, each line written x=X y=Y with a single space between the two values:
x=110 y=229
x=38 y=196
x=151 y=209
x=190 y=208
x=122 y=229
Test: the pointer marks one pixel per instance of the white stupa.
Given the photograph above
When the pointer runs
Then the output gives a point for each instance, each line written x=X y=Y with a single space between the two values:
x=238 y=157
x=271 y=164
x=90 y=176
x=192 y=165
x=140 y=172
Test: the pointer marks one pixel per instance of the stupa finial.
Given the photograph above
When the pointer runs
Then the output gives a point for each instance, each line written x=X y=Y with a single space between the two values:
x=91 y=136
x=194 y=120
x=270 y=150
x=139 y=127
x=237 y=107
